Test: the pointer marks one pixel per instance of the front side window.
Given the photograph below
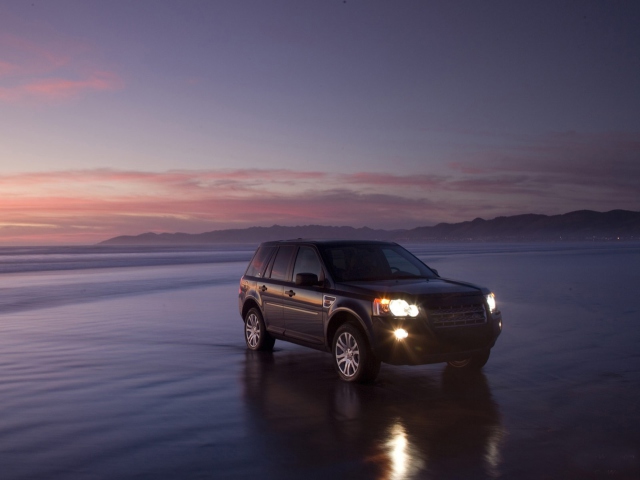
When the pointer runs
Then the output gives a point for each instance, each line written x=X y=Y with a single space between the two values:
x=307 y=262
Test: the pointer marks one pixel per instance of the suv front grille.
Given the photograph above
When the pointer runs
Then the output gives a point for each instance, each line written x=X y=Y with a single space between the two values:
x=457 y=316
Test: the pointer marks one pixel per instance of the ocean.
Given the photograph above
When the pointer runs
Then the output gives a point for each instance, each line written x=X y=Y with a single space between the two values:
x=126 y=362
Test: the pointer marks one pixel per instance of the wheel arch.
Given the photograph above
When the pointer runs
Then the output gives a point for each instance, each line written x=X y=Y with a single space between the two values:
x=339 y=318
x=248 y=305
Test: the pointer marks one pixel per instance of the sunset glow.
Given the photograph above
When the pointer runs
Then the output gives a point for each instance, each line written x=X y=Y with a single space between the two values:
x=88 y=206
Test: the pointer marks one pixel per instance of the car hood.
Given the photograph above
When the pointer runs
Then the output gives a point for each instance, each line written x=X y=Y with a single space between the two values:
x=417 y=287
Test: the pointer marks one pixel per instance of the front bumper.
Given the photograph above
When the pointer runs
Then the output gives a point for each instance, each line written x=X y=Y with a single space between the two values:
x=425 y=344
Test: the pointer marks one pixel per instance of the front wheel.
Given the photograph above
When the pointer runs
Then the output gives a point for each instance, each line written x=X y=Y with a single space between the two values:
x=475 y=362
x=352 y=356
x=255 y=333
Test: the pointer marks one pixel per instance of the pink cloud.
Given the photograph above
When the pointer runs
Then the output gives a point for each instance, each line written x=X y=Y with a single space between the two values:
x=60 y=88
x=390 y=180
x=603 y=166
x=29 y=58
x=31 y=72
x=55 y=88
x=88 y=206
x=7 y=68
x=560 y=152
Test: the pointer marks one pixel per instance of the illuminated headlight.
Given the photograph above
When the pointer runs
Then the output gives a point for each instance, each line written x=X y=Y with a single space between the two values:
x=398 y=308
x=491 y=301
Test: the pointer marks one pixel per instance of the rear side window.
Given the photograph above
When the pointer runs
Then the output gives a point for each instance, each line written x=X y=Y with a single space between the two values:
x=281 y=263
x=259 y=261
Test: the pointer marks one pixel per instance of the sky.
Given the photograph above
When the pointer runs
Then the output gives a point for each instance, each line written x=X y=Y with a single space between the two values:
x=122 y=117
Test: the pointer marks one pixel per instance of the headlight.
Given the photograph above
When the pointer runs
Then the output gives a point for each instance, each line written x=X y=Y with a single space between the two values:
x=401 y=334
x=397 y=308
x=491 y=301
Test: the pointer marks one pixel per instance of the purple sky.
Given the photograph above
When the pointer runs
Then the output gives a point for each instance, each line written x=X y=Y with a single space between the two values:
x=120 y=117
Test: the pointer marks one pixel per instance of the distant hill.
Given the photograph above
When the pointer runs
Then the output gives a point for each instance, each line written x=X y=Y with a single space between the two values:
x=579 y=225
x=253 y=235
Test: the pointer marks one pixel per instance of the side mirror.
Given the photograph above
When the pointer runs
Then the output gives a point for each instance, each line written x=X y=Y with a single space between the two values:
x=435 y=271
x=306 y=279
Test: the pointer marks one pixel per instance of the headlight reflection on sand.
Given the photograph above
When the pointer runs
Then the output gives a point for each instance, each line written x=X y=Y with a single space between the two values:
x=404 y=459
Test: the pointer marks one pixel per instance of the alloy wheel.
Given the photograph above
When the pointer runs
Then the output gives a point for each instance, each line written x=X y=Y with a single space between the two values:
x=252 y=330
x=347 y=354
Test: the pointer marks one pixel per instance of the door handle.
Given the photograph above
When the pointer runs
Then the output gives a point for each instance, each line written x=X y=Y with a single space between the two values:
x=263 y=288
x=291 y=293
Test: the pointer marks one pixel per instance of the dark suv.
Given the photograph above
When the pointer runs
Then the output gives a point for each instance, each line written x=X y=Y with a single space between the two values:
x=366 y=302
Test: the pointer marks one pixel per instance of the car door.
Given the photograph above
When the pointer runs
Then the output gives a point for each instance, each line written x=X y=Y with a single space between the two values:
x=303 y=311
x=271 y=288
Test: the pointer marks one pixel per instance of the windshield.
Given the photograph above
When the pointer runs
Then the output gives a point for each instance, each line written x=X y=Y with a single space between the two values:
x=368 y=262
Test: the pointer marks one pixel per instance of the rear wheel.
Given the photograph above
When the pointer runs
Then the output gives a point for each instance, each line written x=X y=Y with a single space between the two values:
x=475 y=362
x=352 y=356
x=255 y=333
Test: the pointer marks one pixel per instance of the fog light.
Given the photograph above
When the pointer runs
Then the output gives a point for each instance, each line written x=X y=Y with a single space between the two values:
x=401 y=333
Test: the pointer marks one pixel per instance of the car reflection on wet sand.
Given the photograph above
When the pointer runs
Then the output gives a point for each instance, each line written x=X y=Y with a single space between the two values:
x=411 y=422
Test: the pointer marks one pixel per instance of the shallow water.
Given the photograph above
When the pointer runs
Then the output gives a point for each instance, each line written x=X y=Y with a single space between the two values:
x=115 y=371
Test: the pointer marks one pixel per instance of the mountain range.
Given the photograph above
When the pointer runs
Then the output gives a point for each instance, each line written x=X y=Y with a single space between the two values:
x=575 y=226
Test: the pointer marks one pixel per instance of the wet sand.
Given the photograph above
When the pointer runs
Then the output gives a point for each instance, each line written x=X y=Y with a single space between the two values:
x=156 y=382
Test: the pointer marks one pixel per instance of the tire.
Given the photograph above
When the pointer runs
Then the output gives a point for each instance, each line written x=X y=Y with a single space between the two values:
x=353 y=358
x=255 y=332
x=475 y=362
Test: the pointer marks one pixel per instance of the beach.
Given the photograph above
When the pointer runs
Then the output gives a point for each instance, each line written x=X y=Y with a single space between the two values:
x=131 y=363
